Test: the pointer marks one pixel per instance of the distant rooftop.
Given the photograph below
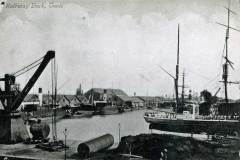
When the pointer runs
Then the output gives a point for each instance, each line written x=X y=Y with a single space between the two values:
x=136 y=99
x=124 y=98
x=150 y=98
x=108 y=91
x=48 y=97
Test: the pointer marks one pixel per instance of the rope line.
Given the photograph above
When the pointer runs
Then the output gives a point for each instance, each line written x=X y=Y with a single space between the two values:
x=27 y=67
x=16 y=75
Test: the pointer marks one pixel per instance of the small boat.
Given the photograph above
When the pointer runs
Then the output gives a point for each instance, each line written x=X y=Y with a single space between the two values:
x=110 y=109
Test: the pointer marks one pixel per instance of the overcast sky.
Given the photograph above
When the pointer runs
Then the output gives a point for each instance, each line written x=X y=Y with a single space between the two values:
x=120 y=43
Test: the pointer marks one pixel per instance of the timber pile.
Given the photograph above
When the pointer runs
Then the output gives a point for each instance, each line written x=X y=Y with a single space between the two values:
x=170 y=147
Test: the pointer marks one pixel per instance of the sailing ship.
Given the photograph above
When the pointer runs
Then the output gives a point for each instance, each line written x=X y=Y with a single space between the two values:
x=225 y=123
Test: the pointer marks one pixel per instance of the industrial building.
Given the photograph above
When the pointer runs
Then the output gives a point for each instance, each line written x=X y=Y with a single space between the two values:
x=137 y=102
x=101 y=94
x=120 y=98
x=150 y=101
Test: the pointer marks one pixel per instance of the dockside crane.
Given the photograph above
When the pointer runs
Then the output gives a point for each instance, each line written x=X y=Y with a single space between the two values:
x=12 y=126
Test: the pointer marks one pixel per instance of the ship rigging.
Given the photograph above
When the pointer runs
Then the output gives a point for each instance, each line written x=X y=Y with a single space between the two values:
x=226 y=49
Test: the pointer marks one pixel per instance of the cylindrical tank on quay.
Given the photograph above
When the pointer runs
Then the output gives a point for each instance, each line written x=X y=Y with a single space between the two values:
x=39 y=130
x=95 y=145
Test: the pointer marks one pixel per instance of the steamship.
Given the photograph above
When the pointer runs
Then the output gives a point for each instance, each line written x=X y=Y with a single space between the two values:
x=193 y=123
x=221 y=118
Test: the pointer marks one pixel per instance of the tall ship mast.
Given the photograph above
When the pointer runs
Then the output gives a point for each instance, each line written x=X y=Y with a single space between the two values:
x=227 y=61
x=225 y=65
x=175 y=78
x=216 y=119
x=177 y=75
x=183 y=89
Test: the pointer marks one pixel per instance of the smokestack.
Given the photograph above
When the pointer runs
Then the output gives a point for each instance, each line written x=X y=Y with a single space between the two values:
x=40 y=96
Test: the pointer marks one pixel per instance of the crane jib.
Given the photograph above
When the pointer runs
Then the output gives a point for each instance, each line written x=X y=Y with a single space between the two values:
x=20 y=97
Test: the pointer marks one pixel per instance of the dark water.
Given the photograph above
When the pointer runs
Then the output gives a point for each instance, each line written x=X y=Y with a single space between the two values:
x=82 y=129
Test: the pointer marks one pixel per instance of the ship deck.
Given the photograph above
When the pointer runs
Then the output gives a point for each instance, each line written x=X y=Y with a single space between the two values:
x=197 y=126
x=152 y=119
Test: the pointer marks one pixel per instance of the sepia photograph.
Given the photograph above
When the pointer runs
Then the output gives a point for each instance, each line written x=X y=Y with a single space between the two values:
x=119 y=79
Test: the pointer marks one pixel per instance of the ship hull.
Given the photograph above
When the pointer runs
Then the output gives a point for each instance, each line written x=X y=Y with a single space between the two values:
x=109 y=110
x=223 y=127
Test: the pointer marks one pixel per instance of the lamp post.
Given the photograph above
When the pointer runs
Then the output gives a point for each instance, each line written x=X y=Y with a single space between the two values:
x=65 y=132
x=119 y=131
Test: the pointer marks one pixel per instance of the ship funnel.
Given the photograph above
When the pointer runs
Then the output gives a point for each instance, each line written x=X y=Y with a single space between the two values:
x=40 y=96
